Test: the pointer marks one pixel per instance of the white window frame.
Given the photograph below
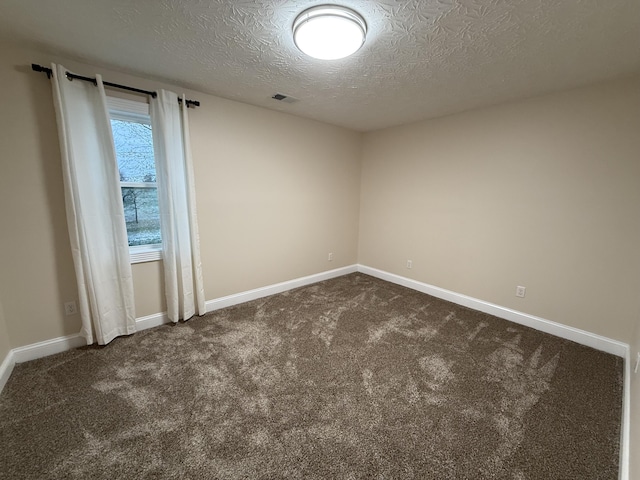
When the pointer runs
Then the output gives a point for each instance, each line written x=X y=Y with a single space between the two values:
x=129 y=110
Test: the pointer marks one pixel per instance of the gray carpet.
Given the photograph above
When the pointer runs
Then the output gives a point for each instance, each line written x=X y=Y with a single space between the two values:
x=349 y=378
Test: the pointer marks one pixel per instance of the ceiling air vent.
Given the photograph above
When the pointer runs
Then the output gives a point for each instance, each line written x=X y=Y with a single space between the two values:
x=284 y=98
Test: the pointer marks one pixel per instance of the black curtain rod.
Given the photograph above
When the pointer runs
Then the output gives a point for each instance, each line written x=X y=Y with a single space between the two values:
x=73 y=76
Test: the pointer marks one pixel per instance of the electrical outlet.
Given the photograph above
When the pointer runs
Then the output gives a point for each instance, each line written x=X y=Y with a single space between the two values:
x=520 y=291
x=331 y=257
x=70 y=308
x=409 y=264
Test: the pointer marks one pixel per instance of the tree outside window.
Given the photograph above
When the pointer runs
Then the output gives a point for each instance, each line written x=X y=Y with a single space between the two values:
x=134 y=151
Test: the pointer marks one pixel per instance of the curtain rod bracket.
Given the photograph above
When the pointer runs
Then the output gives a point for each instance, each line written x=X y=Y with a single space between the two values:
x=39 y=68
x=190 y=103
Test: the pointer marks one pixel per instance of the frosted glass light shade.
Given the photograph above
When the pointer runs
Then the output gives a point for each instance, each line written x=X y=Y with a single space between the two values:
x=329 y=32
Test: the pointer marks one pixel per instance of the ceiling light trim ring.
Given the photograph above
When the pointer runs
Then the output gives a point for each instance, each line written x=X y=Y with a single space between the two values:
x=328 y=12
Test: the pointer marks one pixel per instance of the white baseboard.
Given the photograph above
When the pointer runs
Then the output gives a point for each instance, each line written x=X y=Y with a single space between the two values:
x=559 y=330
x=61 y=344
x=157 y=319
x=6 y=367
x=48 y=347
x=150 y=321
x=625 y=431
x=35 y=351
x=249 y=295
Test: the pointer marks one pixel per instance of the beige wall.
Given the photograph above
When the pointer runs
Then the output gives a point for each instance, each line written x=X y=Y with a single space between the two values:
x=148 y=285
x=275 y=194
x=542 y=193
x=36 y=272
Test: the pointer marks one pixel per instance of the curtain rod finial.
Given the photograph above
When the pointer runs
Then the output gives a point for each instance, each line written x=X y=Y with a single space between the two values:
x=39 y=68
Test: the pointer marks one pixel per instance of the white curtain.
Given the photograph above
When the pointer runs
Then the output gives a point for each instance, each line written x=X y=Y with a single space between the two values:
x=177 y=204
x=95 y=215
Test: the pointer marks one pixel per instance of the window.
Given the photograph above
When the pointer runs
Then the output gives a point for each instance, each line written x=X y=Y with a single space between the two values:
x=133 y=140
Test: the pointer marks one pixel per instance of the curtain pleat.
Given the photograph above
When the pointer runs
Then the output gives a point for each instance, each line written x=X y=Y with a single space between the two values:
x=95 y=215
x=176 y=200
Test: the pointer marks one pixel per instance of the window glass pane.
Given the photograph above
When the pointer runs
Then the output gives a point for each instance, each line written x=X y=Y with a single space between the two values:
x=134 y=151
x=141 y=215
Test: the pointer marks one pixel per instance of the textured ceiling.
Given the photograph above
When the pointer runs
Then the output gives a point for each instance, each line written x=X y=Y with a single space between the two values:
x=422 y=59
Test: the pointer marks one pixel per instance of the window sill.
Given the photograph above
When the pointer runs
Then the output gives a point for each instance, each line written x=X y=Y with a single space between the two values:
x=145 y=253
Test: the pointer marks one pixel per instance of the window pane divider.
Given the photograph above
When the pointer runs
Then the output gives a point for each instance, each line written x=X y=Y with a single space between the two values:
x=138 y=184
x=139 y=200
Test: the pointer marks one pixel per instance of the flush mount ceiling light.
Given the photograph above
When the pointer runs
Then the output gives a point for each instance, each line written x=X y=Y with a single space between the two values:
x=329 y=32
